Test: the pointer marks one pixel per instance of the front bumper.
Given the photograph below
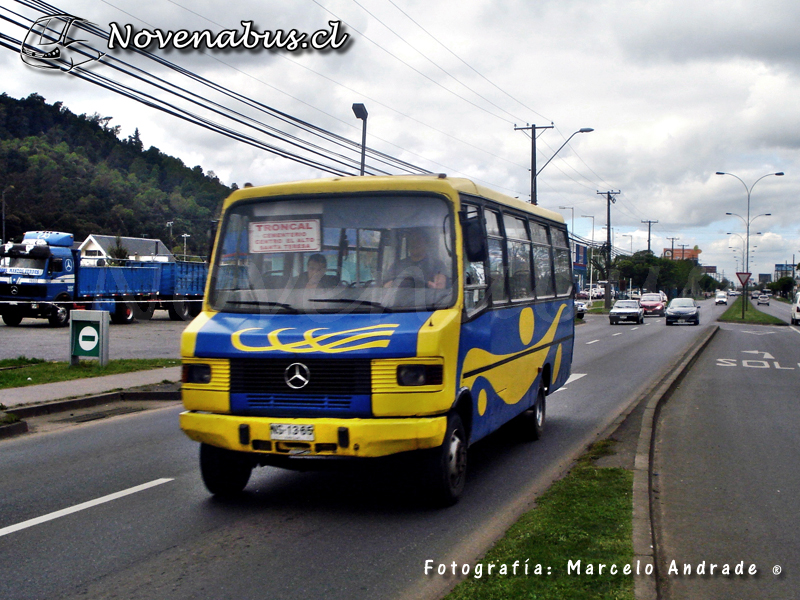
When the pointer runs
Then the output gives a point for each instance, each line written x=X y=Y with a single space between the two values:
x=332 y=437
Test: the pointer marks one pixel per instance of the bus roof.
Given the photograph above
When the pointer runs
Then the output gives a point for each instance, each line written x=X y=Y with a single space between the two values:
x=436 y=183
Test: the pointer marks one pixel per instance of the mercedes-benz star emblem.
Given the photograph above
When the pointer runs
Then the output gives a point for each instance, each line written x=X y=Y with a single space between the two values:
x=14 y=290
x=297 y=376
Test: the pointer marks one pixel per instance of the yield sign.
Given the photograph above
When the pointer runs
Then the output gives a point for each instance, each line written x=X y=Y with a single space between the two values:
x=743 y=277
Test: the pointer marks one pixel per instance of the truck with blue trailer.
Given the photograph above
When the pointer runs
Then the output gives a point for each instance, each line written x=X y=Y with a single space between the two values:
x=42 y=277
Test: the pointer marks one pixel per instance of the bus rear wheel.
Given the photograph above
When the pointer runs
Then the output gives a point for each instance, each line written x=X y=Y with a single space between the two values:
x=225 y=472
x=447 y=465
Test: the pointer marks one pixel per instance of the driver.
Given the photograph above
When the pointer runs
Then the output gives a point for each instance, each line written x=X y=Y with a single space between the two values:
x=419 y=267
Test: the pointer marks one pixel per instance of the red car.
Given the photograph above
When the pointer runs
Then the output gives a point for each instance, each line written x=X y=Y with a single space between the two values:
x=653 y=304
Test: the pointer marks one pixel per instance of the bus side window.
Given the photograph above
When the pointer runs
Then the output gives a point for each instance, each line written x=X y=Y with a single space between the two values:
x=474 y=275
x=542 y=262
x=497 y=272
x=519 y=261
x=563 y=267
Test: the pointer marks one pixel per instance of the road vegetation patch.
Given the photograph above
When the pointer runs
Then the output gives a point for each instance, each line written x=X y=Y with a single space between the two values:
x=22 y=371
x=586 y=517
x=751 y=314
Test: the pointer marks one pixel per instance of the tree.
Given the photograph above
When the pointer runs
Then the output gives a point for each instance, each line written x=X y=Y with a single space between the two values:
x=118 y=252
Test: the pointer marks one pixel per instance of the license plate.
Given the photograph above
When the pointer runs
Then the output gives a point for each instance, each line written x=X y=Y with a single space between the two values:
x=681 y=320
x=291 y=432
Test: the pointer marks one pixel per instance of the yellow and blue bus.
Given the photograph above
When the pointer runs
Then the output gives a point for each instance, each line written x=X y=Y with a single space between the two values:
x=364 y=317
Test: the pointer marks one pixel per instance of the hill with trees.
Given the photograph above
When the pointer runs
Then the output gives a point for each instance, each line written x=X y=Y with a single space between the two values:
x=73 y=173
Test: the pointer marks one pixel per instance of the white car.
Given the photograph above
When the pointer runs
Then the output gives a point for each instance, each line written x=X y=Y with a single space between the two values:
x=721 y=298
x=763 y=299
x=796 y=310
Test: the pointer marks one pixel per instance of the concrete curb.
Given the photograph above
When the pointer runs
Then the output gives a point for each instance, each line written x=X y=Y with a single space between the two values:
x=644 y=542
x=89 y=401
x=18 y=428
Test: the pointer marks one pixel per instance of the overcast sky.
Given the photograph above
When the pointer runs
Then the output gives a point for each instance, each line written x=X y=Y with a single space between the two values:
x=674 y=91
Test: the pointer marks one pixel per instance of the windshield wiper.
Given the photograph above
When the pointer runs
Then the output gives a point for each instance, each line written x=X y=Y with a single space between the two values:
x=353 y=301
x=286 y=307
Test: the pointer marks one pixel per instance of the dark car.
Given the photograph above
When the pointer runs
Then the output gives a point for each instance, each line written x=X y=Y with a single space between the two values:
x=653 y=304
x=683 y=310
x=626 y=310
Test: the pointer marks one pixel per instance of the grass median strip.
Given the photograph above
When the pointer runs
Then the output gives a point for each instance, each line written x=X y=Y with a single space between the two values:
x=22 y=371
x=585 y=517
x=751 y=314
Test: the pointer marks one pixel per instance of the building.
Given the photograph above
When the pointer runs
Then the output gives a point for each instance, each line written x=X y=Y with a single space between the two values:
x=784 y=270
x=96 y=247
x=764 y=279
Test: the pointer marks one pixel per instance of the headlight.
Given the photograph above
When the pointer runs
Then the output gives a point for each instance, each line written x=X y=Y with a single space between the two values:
x=196 y=374
x=413 y=375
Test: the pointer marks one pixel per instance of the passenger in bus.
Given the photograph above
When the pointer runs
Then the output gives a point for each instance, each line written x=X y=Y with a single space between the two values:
x=315 y=277
x=419 y=268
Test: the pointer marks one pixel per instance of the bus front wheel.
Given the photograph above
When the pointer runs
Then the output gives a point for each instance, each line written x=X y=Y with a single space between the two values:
x=225 y=472
x=447 y=464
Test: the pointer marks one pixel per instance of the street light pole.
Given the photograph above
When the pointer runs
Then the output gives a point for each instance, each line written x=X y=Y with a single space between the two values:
x=7 y=189
x=361 y=113
x=749 y=190
x=591 y=266
x=534 y=171
x=184 y=236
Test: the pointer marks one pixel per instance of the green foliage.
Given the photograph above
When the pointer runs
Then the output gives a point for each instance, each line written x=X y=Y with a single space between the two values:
x=586 y=516
x=72 y=173
x=783 y=286
x=646 y=271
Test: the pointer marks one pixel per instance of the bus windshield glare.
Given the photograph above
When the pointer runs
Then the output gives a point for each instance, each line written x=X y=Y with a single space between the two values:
x=341 y=254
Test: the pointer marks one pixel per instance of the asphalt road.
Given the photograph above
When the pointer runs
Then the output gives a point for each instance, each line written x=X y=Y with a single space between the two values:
x=314 y=535
x=34 y=338
x=728 y=486
x=778 y=309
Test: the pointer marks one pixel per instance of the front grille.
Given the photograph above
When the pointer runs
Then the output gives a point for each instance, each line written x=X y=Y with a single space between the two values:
x=335 y=388
x=24 y=290
x=327 y=377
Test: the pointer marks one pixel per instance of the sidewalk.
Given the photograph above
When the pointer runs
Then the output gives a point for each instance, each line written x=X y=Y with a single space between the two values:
x=85 y=387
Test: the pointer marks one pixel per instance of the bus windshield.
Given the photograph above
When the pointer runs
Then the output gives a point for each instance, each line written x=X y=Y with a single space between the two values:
x=340 y=254
x=23 y=265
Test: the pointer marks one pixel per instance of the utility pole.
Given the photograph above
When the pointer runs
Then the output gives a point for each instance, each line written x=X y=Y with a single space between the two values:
x=533 y=129
x=609 y=200
x=683 y=251
x=672 y=252
x=649 y=224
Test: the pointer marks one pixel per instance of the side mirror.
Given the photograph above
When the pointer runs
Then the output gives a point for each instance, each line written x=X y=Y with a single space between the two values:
x=474 y=238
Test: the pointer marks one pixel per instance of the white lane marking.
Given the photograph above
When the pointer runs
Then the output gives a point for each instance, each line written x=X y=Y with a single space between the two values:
x=634 y=328
x=78 y=507
x=572 y=378
x=616 y=334
x=794 y=329
x=592 y=342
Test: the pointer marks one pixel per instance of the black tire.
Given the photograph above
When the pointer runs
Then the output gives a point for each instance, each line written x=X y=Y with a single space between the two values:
x=195 y=307
x=59 y=315
x=446 y=465
x=225 y=472
x=123 y=313
x=12 y=319
x=143 y=311
x=533 y=419
x=178 y=310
